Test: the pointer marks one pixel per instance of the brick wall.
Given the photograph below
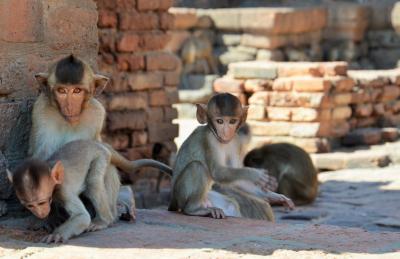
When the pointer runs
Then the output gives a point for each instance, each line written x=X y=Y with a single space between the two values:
x=132 y=34
x=33 y=34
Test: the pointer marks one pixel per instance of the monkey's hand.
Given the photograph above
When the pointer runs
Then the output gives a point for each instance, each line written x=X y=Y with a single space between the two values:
x=279 y=199
x=216 y=213
x=54 y=238
x=261 y=177
x=272 y=184
x=96 y=225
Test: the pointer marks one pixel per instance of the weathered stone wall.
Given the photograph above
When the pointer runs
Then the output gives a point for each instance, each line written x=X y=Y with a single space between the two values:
x=144 y=79
x=316 y=105
x=33 y=34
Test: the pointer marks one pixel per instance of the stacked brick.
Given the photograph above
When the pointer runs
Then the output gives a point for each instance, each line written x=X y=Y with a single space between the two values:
x=139 y=100
x=375 y=106
x=304 y=103
x=240 y=34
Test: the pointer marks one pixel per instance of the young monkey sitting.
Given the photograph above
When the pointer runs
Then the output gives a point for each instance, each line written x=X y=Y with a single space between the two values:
x=209 y=155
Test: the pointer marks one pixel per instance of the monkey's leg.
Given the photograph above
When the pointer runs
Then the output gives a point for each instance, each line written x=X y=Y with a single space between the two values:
x=229 y=206
x=96 y=192
x=212 y=63
x=112 y=183
x=77 y=223
x=300 y=193
x=191 y=192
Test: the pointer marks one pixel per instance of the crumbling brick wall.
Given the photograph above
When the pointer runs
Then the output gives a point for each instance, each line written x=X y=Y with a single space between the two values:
x=144 y=79
x=33 y=34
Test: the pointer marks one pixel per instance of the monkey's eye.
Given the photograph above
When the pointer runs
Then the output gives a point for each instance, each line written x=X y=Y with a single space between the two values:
x=29 y=206
x=232 y=121
x=77 y=90
x=61 y=90
x=42 y=203
x=220 y=121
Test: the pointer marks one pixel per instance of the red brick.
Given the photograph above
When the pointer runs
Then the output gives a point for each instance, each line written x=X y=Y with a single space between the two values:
x=310 y=84
x=159 y=132
x=159 y=98
x=139 y=138
x=230 y=85
x=379 y=109
x=171 y=78
x=256 y=112
x=338 y=68
x=361 y=96
x=293 y=99
x=106 y=4
x=141 y=81
x=107 y=19
x=134 y=120
x=366 y=122
x=172 y=94
x=260 y=98
x=282 y=84
x=118 y=141
x=342 y=84
x=148 y=5
x=130 y=62
x=124 y=4
x=342 y=98
x=162 y=61
x=138 y=21
x=118 y=83
x=390 y=134
x=170 y=114
x=128 y=101
x=128 y=42
x=155 y=114
x=21 y=20
x=341 y=113
x=107 y=40
x=167 y=21
x=279 y=113
x=390 y=92
x=256 y=85
x=139 y=152
x=363 y=110
x=288 y=69
x=153 y=41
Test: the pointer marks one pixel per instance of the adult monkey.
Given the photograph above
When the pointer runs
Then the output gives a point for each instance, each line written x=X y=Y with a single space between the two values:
x=66 y=109
x=204 y=158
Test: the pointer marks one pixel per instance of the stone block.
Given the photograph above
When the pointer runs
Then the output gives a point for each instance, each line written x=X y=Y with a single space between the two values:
x=279 y=113
x=255 y=69
x=256 y=112
x=257 y=85
x=228 y=39
x=395 y=15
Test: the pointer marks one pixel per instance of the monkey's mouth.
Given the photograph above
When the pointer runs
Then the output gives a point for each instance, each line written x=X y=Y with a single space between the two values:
x=73 y=119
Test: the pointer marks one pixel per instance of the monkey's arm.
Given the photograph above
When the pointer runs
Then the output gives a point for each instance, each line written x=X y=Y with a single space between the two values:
x=77 y=223
x=226 y=175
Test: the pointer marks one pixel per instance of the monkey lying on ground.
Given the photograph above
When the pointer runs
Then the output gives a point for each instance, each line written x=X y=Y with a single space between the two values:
x=203 y=160
x=79 y=167
x=291 y=166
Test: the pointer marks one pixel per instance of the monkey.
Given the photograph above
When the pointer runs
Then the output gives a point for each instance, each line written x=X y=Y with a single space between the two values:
x=66 y=109
x=203 y=158
x=78 y=167
x=197 y=55
x=291 y=166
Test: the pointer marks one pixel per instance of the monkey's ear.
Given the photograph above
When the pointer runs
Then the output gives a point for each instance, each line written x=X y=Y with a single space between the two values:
x=42 y=79
x=100 y=82
x=201 y=113
x=9 y=175
x=57 y=172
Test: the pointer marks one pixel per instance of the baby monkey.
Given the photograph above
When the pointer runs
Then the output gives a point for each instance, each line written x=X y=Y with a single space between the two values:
x=210 y=155
x=79 y=167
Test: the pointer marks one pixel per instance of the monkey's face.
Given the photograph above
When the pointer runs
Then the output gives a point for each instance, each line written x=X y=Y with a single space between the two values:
x=225 y=127
x=38 y=201
x=70 y=100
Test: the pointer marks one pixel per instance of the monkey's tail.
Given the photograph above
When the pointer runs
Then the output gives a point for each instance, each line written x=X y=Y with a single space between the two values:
x=131 y=166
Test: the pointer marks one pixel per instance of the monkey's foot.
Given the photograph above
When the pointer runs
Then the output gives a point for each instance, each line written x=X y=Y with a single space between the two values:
x=279 y=199
x=217 y=213
x=96 y=225
x=3 y=208
x=54 y=238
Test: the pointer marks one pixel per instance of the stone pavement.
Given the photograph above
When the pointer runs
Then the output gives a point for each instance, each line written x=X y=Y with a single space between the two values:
x=347 y=220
